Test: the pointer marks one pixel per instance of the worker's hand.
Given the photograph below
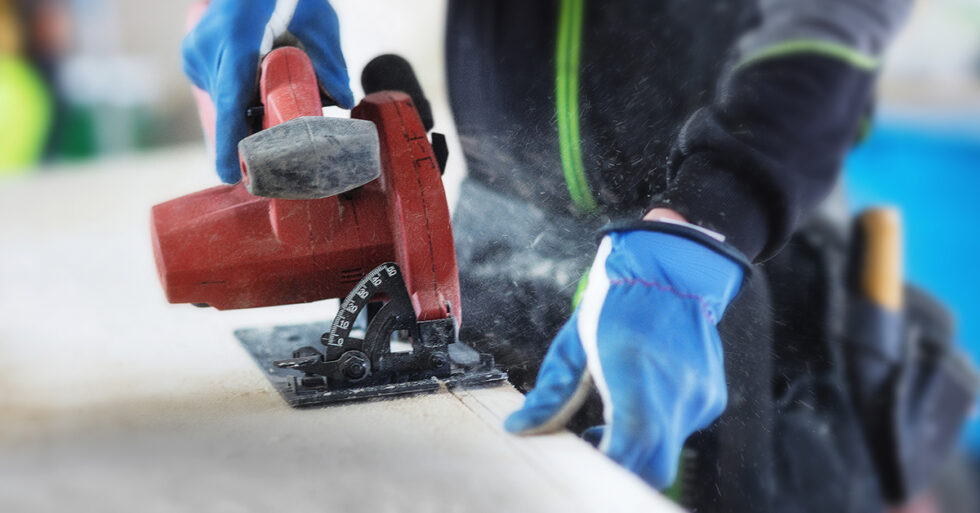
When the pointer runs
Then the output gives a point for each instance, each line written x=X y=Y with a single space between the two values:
x=645 y=333
x=221 y=56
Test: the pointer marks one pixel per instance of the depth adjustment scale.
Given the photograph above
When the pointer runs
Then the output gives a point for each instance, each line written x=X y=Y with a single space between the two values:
x=352 y=368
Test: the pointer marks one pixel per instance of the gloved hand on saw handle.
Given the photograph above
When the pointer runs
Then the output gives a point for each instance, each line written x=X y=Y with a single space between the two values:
x=221 y=56
x=645 y=333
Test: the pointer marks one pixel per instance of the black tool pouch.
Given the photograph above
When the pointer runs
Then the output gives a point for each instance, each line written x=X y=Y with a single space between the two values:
x=913 y=389
x=789 y=441
x=865 y=404
x=820 y=459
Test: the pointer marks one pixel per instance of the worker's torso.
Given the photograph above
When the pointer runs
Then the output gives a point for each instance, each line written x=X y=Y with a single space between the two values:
x=568 y=102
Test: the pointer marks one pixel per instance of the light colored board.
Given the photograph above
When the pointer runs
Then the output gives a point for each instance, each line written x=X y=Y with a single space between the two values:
x=112 y=400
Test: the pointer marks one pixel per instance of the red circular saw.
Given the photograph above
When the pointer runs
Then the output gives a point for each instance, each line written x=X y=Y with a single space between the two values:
x=329 y=208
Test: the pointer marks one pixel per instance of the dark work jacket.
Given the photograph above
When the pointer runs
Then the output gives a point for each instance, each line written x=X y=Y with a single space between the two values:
x=736 y=113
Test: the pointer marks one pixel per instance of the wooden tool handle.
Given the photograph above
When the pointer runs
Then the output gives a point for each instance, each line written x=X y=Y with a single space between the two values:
x=882 y=265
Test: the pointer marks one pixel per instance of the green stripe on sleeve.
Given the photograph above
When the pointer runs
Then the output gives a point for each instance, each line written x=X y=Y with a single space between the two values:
x=830 y=49
x=568 y=51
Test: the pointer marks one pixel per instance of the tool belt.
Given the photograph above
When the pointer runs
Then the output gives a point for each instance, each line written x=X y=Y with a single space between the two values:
x=867 y=392
x=911 y=386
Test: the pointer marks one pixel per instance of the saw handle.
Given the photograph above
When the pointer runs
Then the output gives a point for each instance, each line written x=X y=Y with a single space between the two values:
x=299 y=154
x=288 y=87
x=287 y=90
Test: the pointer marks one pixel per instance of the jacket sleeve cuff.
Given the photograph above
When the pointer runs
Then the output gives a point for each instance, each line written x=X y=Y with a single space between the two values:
x=717 y=199
x=758 y=160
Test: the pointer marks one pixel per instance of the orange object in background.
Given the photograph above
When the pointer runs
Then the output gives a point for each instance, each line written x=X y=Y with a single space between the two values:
x=11 y=39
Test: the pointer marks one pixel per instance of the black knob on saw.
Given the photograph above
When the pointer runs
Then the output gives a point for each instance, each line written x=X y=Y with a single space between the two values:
x=390 y=72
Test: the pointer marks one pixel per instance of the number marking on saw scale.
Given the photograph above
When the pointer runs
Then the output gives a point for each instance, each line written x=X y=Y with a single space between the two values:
x=358 y=299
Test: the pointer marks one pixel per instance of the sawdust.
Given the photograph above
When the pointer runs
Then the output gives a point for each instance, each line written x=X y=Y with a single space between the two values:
x=111 y=400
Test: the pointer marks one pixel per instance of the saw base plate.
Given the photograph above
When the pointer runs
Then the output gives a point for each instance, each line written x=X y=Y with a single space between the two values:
x=267 y=345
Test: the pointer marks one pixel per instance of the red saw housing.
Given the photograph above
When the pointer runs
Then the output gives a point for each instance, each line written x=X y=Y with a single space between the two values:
x=228 y=249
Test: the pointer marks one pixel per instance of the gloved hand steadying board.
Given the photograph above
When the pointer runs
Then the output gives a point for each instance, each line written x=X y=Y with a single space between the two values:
x=645 y=333
x=221 y=56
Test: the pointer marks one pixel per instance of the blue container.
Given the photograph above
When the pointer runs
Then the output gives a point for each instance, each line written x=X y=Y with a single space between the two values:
x=929 y=166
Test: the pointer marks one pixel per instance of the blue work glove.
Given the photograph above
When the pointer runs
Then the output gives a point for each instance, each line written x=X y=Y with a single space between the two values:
x=221 y=56
x=645 y=333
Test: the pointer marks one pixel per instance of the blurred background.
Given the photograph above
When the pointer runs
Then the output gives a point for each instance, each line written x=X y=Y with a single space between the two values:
x=86 y=80
x=89 y=78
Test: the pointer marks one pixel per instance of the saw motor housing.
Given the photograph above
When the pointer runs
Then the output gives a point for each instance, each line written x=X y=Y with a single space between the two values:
x=228 y=248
